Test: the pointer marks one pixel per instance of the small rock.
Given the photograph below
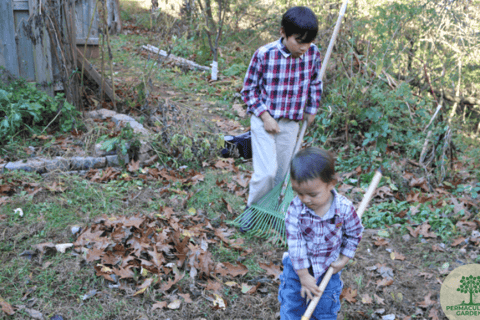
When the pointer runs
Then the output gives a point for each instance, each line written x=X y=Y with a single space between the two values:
x=389 y=317
x=379 y=311
x=406 y=237
x=122 y=119
x=28 y=254
x=75 y=229
x=90 y=294
x=101 y=114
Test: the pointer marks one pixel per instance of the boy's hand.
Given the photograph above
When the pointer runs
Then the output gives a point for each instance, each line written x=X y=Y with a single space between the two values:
x=270 y=125
x=309 y=285
x=338 y=264
x=310 y=118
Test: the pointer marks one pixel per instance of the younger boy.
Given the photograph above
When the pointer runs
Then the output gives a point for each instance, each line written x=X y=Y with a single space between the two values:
x=323 y=230
x=281 y=85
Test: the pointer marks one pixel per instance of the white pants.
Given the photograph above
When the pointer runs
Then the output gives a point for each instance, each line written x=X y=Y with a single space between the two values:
x=271 y=155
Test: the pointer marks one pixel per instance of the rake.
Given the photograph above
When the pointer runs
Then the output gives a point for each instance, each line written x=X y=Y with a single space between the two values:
x=266 y=218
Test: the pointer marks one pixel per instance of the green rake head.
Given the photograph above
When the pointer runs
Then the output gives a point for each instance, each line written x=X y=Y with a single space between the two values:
x=266 y=218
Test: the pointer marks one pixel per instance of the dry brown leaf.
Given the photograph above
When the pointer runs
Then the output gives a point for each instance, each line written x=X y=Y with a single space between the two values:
x=398 y=256
x=144 y=286
x=366 y=299
x=253 y=289
x=240 y=111
x=214 y=286
x=272 y=269
x=424 y=231
x=344 y=188
x=426 y=302
x=378 y=300
x=384 y=283
x=433 y=314
x=241 y=180
x=381 y=242
x=6 y=307
x=229 y=208
x=186 y=297
x=457 y=206
x=44 y=247
x=159 y=305
x=349 y=295
x=426 y=275
x=457 y=241
x=420 y=183
x=383 y=191
x=236 y=270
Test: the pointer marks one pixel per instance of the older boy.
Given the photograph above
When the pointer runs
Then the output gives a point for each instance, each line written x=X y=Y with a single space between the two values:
x=282 y=83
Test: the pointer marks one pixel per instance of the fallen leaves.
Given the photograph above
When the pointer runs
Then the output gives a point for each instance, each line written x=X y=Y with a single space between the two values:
x=6 y=307
x=423 y=230
x=272 y=269
x=349 y=295
x=156 y=250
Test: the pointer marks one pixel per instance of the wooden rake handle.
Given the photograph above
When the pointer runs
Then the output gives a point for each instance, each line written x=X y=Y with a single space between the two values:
x=329 y=273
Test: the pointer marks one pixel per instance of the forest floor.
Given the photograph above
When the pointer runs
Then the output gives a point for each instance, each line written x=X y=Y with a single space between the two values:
x=204 y=267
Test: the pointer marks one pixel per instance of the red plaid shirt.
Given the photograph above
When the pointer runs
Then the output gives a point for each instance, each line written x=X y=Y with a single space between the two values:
x=283 y=85
x=318 y=241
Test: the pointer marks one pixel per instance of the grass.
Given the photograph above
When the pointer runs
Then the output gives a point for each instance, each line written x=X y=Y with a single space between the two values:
x=209 y=195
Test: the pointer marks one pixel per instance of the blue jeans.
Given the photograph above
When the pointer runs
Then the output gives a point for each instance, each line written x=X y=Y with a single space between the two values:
x=293 y=306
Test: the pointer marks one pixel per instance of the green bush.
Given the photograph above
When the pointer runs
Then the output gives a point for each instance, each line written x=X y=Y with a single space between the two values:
x=27 y=110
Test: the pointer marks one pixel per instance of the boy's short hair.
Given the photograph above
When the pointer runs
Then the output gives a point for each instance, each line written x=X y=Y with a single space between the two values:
x=313 y=163
x=300 y=21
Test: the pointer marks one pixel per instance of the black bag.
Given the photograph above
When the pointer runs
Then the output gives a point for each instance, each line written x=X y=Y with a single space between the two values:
x=238 y=146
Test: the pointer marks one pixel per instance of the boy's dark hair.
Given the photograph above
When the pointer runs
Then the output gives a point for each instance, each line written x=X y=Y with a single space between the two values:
x=313 y=163
x=300 y=21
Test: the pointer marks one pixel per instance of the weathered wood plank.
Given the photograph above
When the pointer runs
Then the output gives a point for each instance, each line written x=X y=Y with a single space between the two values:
x=42 y=54
x=93 y=74
x=8 y=46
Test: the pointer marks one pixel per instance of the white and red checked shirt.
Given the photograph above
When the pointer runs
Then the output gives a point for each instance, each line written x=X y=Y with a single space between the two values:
x=282 y=85
x=318 y=241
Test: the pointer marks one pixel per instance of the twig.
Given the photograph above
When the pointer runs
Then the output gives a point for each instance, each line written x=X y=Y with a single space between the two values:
x=48 y=125
x=425 y=145
x=429 y=83
x=448 y=136
x=434 y=115
x=457 y=93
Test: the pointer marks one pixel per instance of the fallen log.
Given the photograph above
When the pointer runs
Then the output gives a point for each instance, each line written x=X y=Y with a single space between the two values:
x=182 y=61
x=93 y=75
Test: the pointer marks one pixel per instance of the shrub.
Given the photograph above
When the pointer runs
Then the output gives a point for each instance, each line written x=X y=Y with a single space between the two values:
x=25 y=109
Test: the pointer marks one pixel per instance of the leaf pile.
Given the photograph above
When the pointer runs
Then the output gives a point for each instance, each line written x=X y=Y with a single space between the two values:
x=157 y=250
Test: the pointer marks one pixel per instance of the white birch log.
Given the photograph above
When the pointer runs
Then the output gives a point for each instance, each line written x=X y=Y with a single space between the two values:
x=185 y=62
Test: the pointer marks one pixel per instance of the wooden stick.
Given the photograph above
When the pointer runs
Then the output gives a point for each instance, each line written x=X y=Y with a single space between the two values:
x=182 y=61
x=93 y=74
x=326 y=278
